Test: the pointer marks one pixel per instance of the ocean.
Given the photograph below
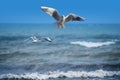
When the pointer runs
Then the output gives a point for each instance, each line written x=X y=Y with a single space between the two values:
x=77 y=52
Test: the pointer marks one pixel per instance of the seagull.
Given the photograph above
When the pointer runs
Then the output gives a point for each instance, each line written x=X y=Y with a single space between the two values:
x=35 y=39
x=47 y=39
x=61 y=19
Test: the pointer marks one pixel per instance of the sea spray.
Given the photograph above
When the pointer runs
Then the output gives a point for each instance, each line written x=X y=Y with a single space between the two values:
x=60 y=74
x=92 y=44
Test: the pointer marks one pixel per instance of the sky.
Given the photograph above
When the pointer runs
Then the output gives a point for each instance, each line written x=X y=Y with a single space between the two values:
x=28 y=11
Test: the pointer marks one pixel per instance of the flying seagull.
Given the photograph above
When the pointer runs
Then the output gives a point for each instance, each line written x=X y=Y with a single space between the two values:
x=35 y=39
x=61 y=19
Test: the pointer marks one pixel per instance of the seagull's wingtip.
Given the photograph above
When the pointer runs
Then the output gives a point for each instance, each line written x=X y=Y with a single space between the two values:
x=43 y=7
x=82 y=18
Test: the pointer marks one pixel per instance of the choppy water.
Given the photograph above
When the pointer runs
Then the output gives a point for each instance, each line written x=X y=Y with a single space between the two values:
x=78 y=52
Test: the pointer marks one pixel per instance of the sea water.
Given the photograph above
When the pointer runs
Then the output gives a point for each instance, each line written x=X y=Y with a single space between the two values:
x=77 y=52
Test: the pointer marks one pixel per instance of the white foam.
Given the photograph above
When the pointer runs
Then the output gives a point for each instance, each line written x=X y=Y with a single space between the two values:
x=58 y=74
x=93 y=44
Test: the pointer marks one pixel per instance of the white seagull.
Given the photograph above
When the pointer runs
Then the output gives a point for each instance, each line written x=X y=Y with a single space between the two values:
x=35 y=39
x=61 y=19
x=47 y=39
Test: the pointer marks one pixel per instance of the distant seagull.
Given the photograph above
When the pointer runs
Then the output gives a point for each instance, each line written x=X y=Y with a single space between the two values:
x=35 y=39
x=61 y=19
x=47 y=39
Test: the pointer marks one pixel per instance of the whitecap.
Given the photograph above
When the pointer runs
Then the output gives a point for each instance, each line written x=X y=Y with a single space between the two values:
x=61 y=74
x=92 y=44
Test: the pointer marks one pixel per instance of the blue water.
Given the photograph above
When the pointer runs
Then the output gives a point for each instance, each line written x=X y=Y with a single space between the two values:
x=77 y=52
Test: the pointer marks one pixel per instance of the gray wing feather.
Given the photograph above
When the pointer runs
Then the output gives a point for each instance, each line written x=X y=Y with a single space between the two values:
x=56 y=15
x=73 y=17
x=52 y=12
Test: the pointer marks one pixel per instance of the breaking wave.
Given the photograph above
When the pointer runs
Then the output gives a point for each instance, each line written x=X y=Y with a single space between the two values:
x=60 y=74
x=93 y=44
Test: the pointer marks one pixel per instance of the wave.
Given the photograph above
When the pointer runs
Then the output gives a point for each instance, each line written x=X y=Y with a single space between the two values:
x=93 y=44
x=61 y=74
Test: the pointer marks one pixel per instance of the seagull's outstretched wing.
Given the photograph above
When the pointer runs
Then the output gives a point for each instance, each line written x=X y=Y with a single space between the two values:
x=51 y=12
x=73 y=17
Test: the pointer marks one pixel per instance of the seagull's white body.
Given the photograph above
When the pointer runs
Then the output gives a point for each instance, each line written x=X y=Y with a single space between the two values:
x=61 y=19
x=61 y=22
